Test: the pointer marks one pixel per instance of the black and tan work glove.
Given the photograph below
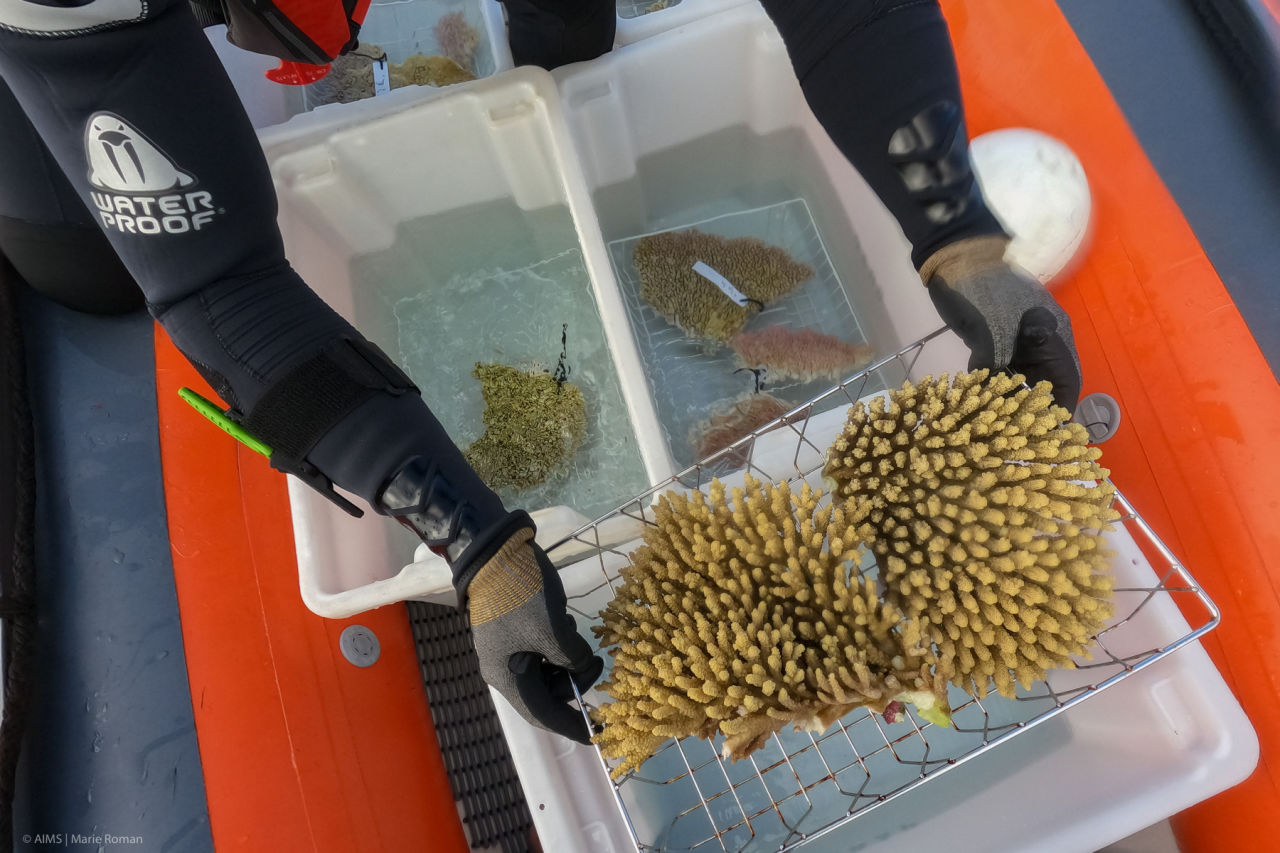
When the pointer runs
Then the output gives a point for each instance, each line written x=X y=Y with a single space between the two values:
x=527 y=642
x=1007 y=319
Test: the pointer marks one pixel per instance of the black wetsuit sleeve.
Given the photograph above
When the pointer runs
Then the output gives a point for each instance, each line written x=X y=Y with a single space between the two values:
x=880 y=76
x=140 y=116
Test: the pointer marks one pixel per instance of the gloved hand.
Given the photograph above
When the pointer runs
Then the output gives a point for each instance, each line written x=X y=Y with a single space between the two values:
x=1005 y=318
x=527 y=642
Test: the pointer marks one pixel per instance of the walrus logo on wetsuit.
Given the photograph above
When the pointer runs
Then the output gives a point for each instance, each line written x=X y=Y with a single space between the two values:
x=137 y=188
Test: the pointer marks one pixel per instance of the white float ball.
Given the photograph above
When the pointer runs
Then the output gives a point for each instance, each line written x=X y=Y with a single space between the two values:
x=1037 y=188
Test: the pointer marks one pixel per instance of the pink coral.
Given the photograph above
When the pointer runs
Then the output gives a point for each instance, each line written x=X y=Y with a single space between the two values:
x=458 y=40
x=730 y=422
x=800 y=353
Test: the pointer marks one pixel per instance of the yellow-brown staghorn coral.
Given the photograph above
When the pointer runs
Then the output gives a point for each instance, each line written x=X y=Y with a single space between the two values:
x=981 y=506
x=743 y=616
x=669 y=283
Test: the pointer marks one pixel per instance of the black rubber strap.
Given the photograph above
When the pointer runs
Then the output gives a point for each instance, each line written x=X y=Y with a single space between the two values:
x=299 y=409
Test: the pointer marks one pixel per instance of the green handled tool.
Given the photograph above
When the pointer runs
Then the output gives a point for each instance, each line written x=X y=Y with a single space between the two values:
x=219 y=419
x=301 y=469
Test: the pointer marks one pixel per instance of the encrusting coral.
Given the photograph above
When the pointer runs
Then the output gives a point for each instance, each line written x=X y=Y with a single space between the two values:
x=669 y=283
x=458 y=40
x=420 y=70
x=533 y=426
x=731 y=420
x=800 y=353
x=350 y=78
x=742 y=616
x=982 y=505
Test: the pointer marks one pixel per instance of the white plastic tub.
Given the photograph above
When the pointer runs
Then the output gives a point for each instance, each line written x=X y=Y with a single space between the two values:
x=1151 y=743
x=401 y=27
x=705 y=123
x=706 y=126
x=405 y=27
x=428 y=218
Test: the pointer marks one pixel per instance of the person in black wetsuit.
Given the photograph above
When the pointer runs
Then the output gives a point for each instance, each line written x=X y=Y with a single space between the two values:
x=117 y=121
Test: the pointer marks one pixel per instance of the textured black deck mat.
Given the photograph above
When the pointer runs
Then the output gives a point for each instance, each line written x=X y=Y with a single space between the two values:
x=475 y=752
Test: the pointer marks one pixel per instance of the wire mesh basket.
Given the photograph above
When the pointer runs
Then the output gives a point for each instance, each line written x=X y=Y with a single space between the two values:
x=803 y=786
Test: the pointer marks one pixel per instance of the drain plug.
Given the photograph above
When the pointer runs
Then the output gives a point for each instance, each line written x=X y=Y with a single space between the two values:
x=359 y=645
x=1100 y=414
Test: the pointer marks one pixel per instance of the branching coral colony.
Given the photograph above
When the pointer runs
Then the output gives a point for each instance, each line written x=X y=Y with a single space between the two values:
x=684 y=297
x=741 y=616
x=534 y=423
x=984 y=510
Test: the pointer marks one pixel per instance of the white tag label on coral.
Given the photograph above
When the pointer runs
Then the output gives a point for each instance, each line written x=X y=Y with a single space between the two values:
x=381 y=79
x=721 y=282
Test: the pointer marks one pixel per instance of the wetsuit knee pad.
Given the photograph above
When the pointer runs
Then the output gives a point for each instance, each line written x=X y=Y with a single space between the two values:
x=74 y=265
x=46 y=231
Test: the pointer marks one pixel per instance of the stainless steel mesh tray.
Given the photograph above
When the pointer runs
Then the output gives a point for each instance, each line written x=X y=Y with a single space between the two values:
x=803 y=786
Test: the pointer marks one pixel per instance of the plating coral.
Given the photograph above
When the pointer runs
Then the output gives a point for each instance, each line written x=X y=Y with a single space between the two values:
x=742 y=617
x=458 y=40
x=730 y=422
x=982 y=507
x=533 y=425
x=800 y=353
x=419 y=70
x=669 y=283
